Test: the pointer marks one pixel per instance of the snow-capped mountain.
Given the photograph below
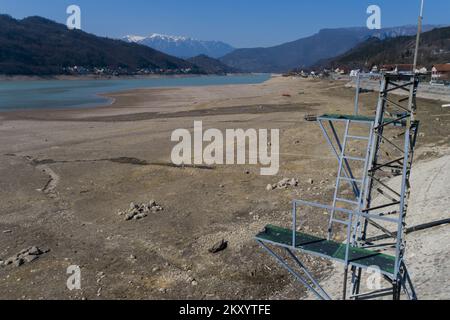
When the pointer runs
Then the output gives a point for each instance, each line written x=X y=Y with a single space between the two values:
x=182 y=47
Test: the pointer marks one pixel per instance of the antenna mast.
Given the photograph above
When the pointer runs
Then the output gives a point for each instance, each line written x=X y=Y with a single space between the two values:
x=419 y=31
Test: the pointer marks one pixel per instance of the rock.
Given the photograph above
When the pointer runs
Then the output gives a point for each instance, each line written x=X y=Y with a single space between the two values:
x=19 y=262
x=7 y=231
x=25 y=256
x=35 y=251
x=30 y=258
x=283 y=184
x=139 y=216
x=218 y=247
x=311 y=181
x=194 y=283
x=140 y=211
x=156 y=208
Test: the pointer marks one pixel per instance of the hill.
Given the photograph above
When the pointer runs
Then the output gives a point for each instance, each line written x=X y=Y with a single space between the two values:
x=305 y=52
x=38 y=46
x=210 y=65
x=434 y=49
x=182 y=47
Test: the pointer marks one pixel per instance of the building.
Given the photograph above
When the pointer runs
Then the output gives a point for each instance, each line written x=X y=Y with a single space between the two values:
x=440 y=74
x=397 y=68
x=342 y=70
x=354 y=73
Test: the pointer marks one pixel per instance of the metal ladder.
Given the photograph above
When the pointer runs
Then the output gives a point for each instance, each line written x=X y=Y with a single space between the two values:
x=345 y=174
x=353 y=222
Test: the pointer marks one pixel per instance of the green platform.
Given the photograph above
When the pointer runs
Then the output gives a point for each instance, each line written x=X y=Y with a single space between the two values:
x=328 y=249
x=359 y=118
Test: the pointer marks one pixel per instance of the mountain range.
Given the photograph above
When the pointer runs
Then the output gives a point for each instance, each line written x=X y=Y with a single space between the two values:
x=182 y=47
x=434 y=49
x=302 y=53
x=38 y=46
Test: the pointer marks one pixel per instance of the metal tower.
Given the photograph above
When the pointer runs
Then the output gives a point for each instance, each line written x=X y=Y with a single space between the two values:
x=375 y=209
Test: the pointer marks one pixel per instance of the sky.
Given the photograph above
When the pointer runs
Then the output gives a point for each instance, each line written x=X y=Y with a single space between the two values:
x=241 y=23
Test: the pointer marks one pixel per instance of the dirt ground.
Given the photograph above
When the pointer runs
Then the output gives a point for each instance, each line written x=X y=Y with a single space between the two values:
x=65 y=175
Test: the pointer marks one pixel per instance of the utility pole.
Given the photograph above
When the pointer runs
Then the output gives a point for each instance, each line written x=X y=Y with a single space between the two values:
x=412 y=104
x=419 y=31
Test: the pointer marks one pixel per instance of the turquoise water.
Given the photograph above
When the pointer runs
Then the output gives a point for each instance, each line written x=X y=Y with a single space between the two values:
x=58 y=94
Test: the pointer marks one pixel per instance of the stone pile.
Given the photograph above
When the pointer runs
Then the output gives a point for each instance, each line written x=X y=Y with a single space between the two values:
x=25 y=256
x=283 y=184
x=139 y=211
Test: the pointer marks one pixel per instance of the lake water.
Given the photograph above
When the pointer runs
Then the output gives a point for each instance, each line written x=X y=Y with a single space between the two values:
x=57 y=94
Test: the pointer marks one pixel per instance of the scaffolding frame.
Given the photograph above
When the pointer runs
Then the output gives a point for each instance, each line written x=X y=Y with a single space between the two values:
x=376 y=207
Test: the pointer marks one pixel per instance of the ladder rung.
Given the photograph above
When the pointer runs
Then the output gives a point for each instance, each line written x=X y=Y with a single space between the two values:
x=347 y=201
x=354 y=158
x=341 y=221
x=358 y=138
x=351 y=180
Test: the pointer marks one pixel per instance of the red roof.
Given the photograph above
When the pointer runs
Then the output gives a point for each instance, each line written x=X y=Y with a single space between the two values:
x=442 y=67
x=399 y=67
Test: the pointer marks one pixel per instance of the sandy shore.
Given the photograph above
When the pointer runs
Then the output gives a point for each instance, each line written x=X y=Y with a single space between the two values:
x=67 y=173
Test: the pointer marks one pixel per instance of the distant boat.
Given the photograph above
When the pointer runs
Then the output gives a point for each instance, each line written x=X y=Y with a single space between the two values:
x=446 y=106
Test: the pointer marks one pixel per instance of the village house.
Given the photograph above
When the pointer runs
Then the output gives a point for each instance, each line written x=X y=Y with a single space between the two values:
x=397 y=68
x=440 y=74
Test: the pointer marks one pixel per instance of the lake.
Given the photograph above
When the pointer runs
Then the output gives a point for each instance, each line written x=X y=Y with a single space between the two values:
x=58 y=94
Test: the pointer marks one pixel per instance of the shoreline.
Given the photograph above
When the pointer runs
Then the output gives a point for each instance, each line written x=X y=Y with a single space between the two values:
x=11 y=78
x=107 y=92
x=110 y=96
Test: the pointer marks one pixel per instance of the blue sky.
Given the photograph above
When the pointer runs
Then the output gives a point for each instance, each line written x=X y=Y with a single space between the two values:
x=242 y=23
